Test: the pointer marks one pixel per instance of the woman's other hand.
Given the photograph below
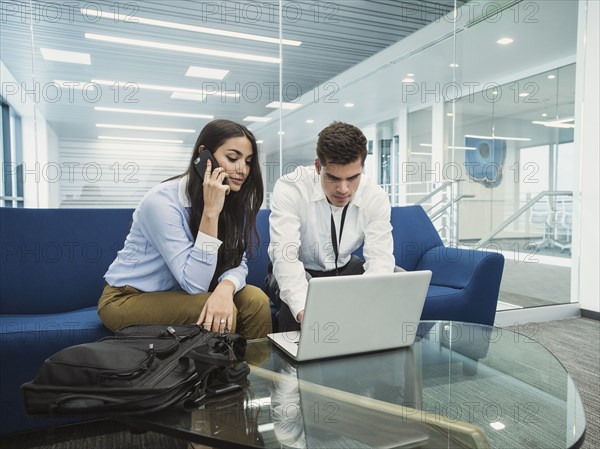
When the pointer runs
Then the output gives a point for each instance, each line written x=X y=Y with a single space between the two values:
x=217 y=313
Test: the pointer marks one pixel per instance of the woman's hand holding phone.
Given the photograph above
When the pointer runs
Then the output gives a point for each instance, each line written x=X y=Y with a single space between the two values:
x=214 y=198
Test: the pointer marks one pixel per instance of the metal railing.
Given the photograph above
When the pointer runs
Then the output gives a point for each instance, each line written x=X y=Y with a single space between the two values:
x=521 y=211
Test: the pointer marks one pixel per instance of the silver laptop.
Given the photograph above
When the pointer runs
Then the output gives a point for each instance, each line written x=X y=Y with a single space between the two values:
x=356 y=314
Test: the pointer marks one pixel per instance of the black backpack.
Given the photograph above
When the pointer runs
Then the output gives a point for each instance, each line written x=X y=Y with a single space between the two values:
x=141 y=369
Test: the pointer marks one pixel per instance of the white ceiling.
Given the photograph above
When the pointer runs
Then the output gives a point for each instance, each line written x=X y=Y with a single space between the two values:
x=335 y=36
x=356 y=50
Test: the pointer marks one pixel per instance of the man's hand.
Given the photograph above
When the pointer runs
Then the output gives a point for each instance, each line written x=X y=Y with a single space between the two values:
x=217 y=313
x=300 y=316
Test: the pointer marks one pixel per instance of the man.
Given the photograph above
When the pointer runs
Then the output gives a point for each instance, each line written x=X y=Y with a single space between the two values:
x=320 y=215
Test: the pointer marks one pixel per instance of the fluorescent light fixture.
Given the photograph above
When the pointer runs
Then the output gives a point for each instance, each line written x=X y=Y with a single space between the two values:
x=497 y=425
x=410 y=75
x=454 y=65
x=524 y=94
x=205 y=72
x=268 y=427
x=310 y=121
x=495 y=92
x=149 y=112
x=122 y=18
x=252 y=118
x=449 y=114
x=188 y=96
x=505 y=41
x=349 y=105
x=416 y=153
x=72 y=57
x=145 y=128
x=79 y=85
x=555 y=123
x=281 y=133
x=260 y=141
x=551 y=77
x=544 y=115
x=450 y=147
x=163 y=88
x=408 y=80
x=181 y=48
x=519 y=139
x=284 y=105
x=139 y=139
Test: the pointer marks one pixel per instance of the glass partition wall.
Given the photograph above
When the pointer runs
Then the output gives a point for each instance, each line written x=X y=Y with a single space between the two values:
x=468 y=107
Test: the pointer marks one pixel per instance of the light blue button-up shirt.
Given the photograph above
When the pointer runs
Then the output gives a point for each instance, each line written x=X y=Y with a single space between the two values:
x=160 y=253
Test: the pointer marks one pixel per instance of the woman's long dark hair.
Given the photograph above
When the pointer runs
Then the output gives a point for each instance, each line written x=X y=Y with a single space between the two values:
x=237 y=221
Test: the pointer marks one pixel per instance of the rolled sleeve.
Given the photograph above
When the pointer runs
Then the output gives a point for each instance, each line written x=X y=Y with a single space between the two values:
x=237 y=275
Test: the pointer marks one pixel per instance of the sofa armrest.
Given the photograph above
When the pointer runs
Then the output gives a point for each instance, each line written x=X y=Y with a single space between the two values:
x=475 y=274
x=462 y=268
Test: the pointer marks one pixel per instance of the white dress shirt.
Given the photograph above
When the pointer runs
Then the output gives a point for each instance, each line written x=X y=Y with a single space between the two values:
x=300 y=230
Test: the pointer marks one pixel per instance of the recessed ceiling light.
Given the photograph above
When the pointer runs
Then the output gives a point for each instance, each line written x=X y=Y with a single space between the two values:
x=310 y=121
x=149 y=112
x=449 y=114
x=410 y=75
x=544 y=115
x=181 y=48
x=284 y=105
x=408 y=80
x=349 y=105
x=495 y=92
x=252 y=118
x=281 y=133
x=260 y=141
x=551 y=77
x=205 y=72
x=139 y=139
x=505 y=41
x=72 y=57
x=145 y=128
x=453 y=65
x=524 y=94
x=497 y=425
x=122 y=18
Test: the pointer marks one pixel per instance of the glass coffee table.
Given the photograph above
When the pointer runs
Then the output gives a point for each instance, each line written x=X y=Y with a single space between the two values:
x=460 y=385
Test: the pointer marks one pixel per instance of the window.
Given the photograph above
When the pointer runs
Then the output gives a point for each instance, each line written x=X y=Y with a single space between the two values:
x=11 y=187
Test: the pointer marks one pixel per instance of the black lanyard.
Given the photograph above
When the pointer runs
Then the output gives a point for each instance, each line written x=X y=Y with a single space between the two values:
x=334 y=239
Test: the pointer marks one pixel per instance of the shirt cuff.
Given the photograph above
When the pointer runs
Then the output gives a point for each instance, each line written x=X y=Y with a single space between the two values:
x=235 y=281
x=296 y=306
x=207 y=244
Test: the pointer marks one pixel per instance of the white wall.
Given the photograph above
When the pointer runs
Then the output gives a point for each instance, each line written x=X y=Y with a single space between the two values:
x=586 y=245
x=115 y=174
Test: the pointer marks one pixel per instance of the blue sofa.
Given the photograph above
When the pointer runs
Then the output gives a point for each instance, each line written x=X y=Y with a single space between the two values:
x=53 y=260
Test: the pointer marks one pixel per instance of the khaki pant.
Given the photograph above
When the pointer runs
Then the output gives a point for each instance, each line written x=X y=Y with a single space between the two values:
x=122 y=306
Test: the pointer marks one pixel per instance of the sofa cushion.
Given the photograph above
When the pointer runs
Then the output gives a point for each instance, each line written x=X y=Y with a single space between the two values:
x=63 y=254
x=25 y=342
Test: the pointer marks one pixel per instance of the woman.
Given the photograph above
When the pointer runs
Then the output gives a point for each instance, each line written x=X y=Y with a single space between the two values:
x=184 y=258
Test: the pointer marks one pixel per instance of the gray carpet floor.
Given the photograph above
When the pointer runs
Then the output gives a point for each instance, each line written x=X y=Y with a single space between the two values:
x=575 y=342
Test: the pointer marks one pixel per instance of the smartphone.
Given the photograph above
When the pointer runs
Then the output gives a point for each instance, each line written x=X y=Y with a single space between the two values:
x=201 y=161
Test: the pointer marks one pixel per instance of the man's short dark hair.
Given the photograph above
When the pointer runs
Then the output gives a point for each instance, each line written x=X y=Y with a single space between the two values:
x=341 y=143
